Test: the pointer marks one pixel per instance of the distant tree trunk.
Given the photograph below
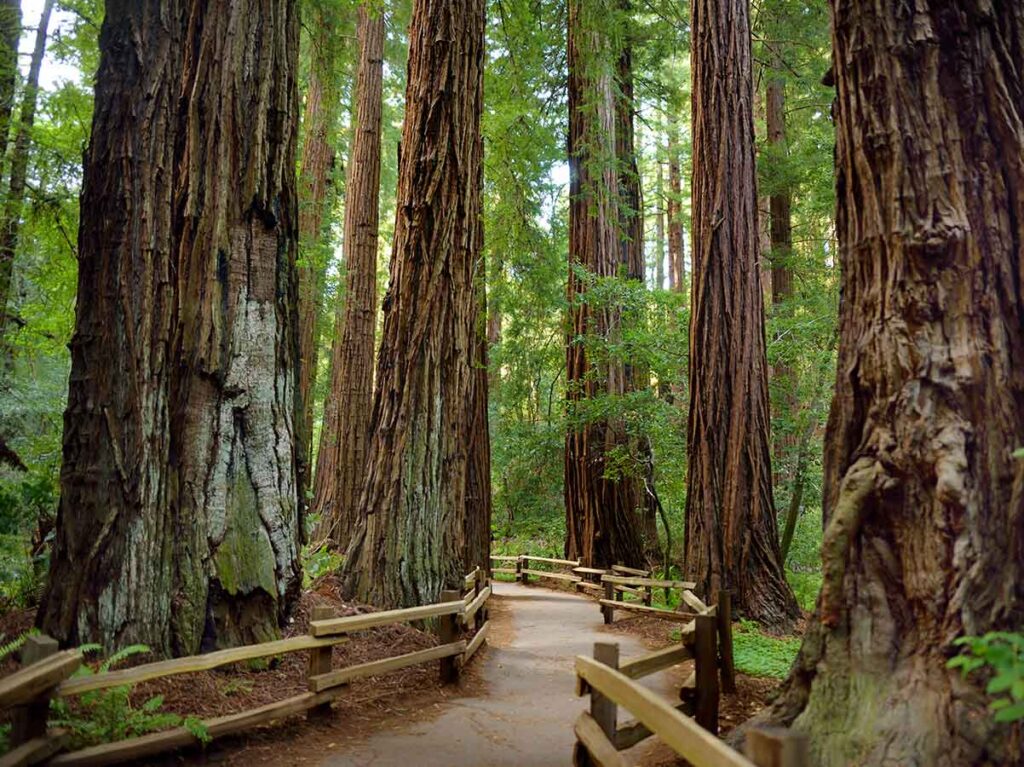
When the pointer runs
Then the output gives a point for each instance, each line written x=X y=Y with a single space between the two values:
x=10 y=35
x=341 y=461
x=631 y=243
x=923 y=499
x=494 y=318
x=602 y=523
x=10 y=224
x=659 y=228
x=412 y=534
x=178 y=523
x=781 y=234
x=677 y=263
x=731 y=539
x=314 y=173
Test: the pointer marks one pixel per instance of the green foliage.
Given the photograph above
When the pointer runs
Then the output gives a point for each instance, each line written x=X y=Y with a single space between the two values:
x=759 y=654
x=105 y=716
x=1001 y=655
x=319 y=562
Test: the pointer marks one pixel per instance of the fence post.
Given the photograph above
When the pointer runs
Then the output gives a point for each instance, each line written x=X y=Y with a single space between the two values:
x=29 y=720
x=777 y=747
x=319 y=658
x=607 y=610
x=448 y=631
x=648 y=596
x=706 y=658
x=602 y=709
x=478 y=618
x=725 y=641
x=520 y=578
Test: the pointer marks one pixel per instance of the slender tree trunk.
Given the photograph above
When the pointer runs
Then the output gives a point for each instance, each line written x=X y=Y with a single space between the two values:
x=677 y=263
x=924 y=502
x=413 y=528
x=178 y=523
x=781 y=237
x=602 y=524
x=10 y=224
x=10 y=35
x=731 y=539
x=659 y=228
x=342 y=458
x=314 y=174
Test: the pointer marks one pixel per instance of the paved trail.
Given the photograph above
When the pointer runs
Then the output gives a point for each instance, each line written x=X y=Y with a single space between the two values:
x=522 y=714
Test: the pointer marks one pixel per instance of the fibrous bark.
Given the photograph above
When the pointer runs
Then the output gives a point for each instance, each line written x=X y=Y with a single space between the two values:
x=178 y=523
x=676 y=248
x=731 y=540
x=341 y=461
x=314 y=175
x=924 y=503
x=10 y=224
x=602 y=520
x=10 y=34
x=412 y=533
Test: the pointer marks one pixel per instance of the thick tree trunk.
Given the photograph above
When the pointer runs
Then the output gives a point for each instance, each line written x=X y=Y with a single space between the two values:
x=178 y=523
x=314 y=174
x=924 y=503
x=631 y=243
x=602 y=520
x=341 y=462
x=413 y=528
x=10 y=224
x=731 y=539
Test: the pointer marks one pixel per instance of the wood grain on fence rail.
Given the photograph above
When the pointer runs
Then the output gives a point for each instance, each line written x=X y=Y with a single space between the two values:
x=193 y=663
x=678 y=731
x=25 y=685
x=369 y=620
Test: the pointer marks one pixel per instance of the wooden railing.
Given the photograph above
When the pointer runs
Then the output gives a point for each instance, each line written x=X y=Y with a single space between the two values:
x=47 y=674
x=600 y=738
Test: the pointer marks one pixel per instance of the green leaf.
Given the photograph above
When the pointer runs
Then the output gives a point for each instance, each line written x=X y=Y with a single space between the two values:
x=1011 y=713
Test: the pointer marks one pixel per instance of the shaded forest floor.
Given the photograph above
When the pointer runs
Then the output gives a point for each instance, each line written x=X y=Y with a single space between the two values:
x=522 y=682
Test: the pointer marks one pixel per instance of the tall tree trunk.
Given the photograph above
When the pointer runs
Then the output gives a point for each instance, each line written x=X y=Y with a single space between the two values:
x=342 y=458
x=314 y=174
x=10 y=35
x=731 y=539
x=677 y=263
x=923 y=500
x=781 y=236
x=659 y=228
x=631 y=243
x=178 y=523
x=10 y=224
x=602 y=524
x=412 y=534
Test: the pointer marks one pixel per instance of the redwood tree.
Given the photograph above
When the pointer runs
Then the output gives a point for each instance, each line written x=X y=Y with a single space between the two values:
x=413 y=528
x=319 y=117
x=602 y=519
x=10 y=221
x=731 y=539
x=923 y=499
x=178 y=521
x=346 y=430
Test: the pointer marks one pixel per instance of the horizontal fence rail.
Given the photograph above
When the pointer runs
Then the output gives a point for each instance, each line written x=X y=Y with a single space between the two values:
x=48 y=673
x=600 y=738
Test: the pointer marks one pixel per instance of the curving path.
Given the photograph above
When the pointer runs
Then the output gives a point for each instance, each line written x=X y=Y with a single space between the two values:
x=523 y=712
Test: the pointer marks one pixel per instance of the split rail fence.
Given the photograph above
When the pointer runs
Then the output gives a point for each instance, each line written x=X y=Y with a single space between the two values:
x=689 y=728
x=48 y=673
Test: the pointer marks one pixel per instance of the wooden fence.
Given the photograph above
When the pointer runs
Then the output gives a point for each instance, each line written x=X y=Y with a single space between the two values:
x=600 y=738
x=47 y=673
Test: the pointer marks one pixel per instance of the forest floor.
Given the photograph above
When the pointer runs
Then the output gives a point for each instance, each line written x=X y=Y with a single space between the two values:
x=514 y=705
